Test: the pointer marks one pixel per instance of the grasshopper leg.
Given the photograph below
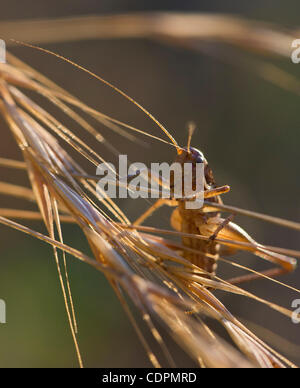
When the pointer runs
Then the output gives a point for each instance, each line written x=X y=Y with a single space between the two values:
x=159 y=203
x=221 y=226
x=227 y=230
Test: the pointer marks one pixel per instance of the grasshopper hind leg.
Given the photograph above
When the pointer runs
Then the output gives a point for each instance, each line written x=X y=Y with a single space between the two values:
x=229 y=231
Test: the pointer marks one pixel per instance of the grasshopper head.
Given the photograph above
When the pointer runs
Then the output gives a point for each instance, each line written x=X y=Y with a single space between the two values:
x=195 y=156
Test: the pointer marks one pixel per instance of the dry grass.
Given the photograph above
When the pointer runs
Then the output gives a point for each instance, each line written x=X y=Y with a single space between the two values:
x=148 y=269
x=171 y=26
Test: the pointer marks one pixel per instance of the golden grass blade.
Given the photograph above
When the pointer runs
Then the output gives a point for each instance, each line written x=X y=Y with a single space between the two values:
x=275 y=340
x=220 y=312
x=197 y=341
x=49 y=215
x=174 y=26
x=17 y=191
x=152 y=358
x=59 y=230
x=249 y=213
x=30 y=215
x=10 y=163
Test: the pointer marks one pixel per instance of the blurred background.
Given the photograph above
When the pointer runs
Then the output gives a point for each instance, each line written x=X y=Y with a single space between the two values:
x=248 y=129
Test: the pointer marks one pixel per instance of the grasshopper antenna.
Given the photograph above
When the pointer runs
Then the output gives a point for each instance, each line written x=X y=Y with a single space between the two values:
x=116 y=89
x=191 y=130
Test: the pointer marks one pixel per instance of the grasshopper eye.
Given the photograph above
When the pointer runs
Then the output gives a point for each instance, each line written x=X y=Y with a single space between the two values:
x=199 y=158
x=197 y=155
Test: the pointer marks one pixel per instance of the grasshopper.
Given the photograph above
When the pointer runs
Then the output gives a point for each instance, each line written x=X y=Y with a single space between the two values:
x=208 y=222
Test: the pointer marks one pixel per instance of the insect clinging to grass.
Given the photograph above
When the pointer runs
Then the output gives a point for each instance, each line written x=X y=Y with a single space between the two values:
x=208 y=223
x=170 y=283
